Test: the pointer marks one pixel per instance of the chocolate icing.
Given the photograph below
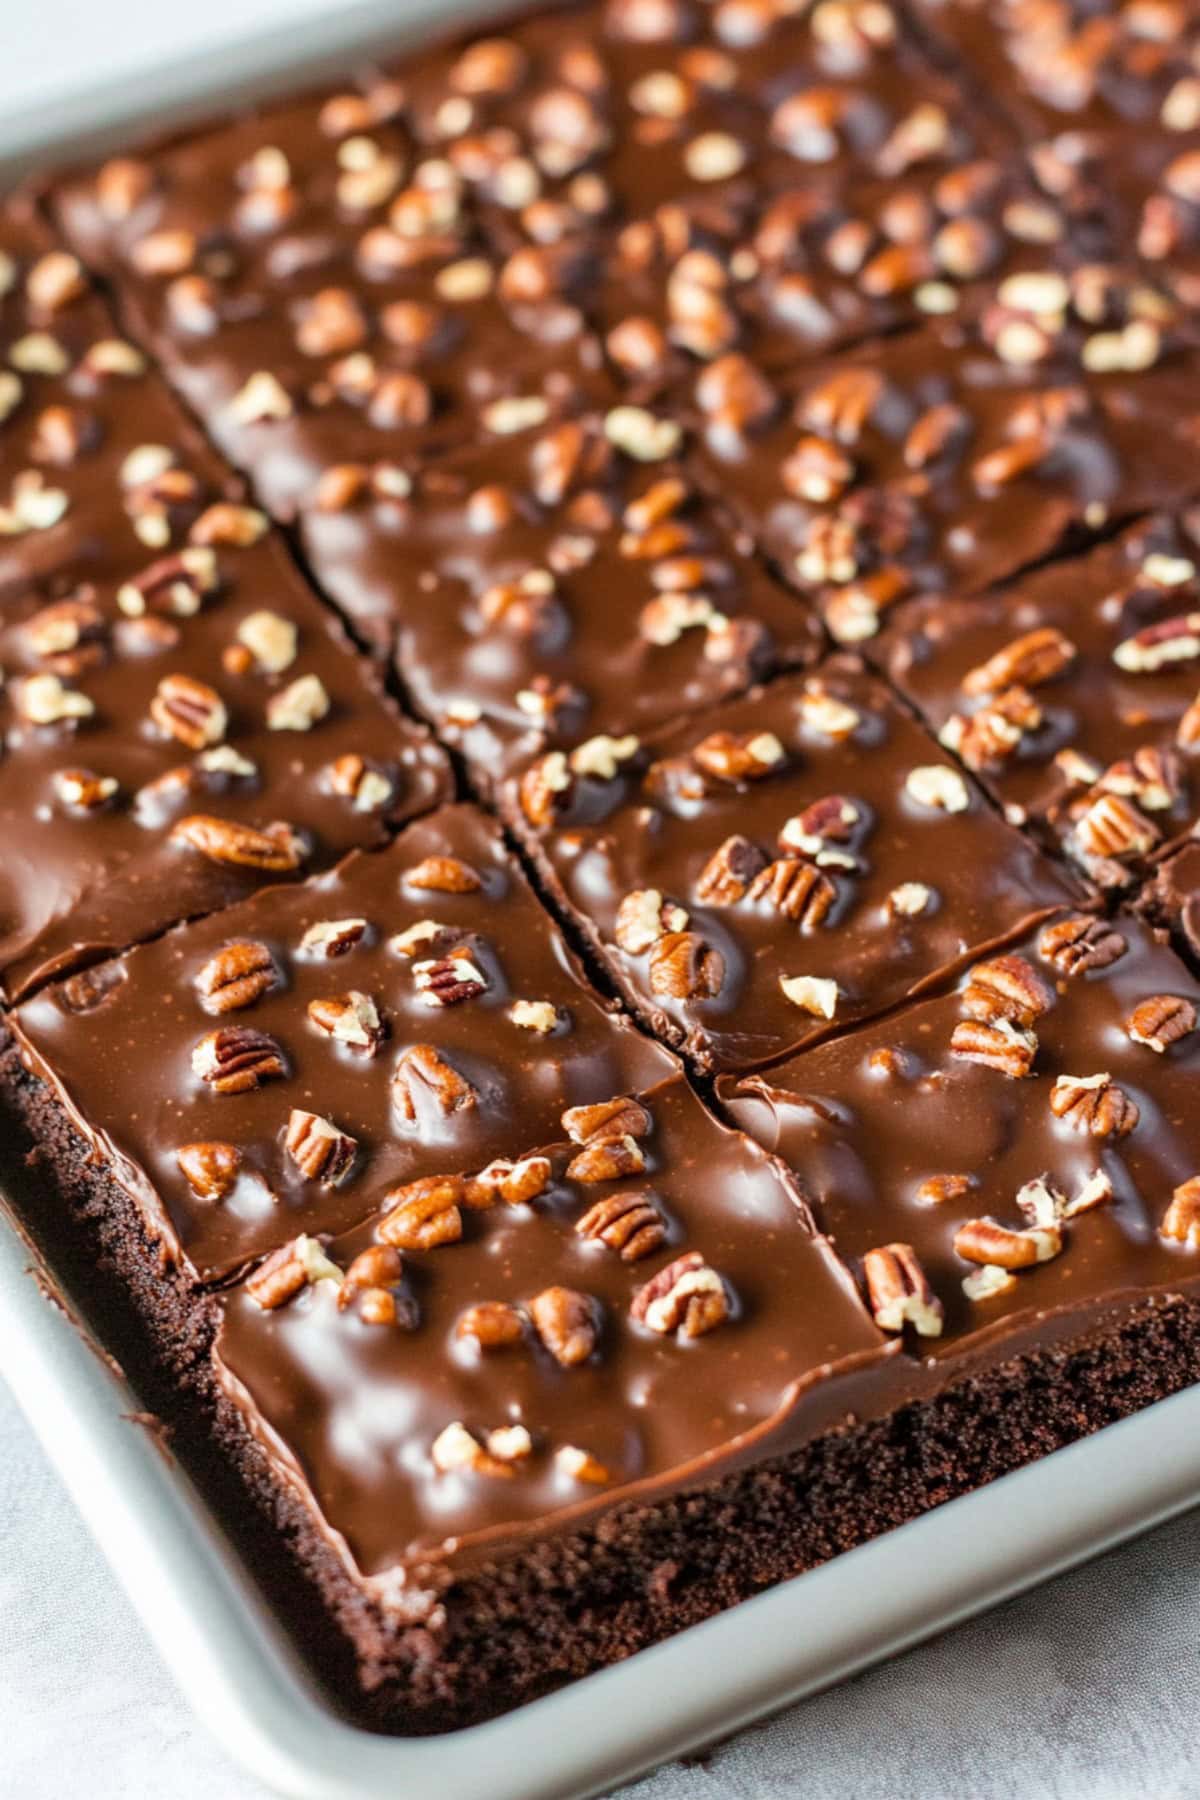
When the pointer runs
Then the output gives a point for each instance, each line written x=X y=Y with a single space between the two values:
x=143 y=1101
x=657 y=822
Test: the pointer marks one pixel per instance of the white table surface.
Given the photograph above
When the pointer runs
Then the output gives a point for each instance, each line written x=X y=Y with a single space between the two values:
x=1086 y=1690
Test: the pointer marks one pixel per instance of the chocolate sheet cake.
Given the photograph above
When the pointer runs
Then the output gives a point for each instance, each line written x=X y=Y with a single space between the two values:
x=750 y=450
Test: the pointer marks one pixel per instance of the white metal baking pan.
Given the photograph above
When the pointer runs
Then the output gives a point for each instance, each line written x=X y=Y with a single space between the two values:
x=217 y=1636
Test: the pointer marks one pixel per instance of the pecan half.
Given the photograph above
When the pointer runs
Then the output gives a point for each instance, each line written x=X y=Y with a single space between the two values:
x=567 y=1322
x=351 y=1018
x=607 y=1159
x=1093 y=1104
x=210 y=1168
x=1005 y=987
x=997 y=1044
x=423 y=1214
x=899 y=1292
x=319 y=1150
x=726 y=876
x=739 y=756
x=423 y=1080
x=516 y=1183
x=443 y=875
x=629 y=1224
x=370 y=1285
x=983 y=1241
x=494 y=1324
x=1161 y=1021
x=795 y=889
x=1112 y=827
x=1079 y=943
x=276 y=851
x=1181 y=1221
x=687 y=1297
x=1037 y=657
x=684 y=966
x=237 y=975
x=189 y=710
x=235 y=1058
x=605 y=1119
x=289 y=1270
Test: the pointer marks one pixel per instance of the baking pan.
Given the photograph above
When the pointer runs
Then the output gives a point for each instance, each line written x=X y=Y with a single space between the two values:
x=211 y=1625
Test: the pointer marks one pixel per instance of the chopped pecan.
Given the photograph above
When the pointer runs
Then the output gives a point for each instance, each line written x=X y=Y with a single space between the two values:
x=607 y=1159
x=1161 y=1020
x=424 y=1080
x=423 y=1214
x=983 y=1241
x=235 y=1058
x=370 y=1284
x=580 y=1465
x=1181 y=1221
x=494 y=1324
x=829 y=820
x=938 y=1190
x=1036 y=657
x=351 y=1018
x=516 y=1183
x=1113 y=828
x=299 y=706
x=1093 y=1104
x=643 y=917
x=545 y=788
x=333 y=937
x=939 y=787
x=1005 y=987
x=899 y=1292
x=1080 y=943
x=687 y=1297
x=684 y=966
x=84 y=789
x=1151 y=778
x=997 y=1044
x=540 y=1016
x=1160 y=645
x=1041 y=1201
x=629 y=1224
x=727 y=874
x=236 y=975
x=616 y=1118
x=443 y=875
x=794 y=888
x=985 y=739
x=567 y=1322
x=814 y=994
x=289 y=1270
x=277 y=850
x=739 y=756
x=189 y=710
x=211 y=1168
x=319 y=1150
x=454 y=1451
x=58 y=633
x=447 y=980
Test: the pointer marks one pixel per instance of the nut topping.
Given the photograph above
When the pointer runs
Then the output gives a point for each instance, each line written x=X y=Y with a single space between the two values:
x=235 y=1058
x=939 y=787
x=739 y=756
x=997 y=1044
x=629 y=1224
x=291 y=1269
x=443 y=875
x=619 y=1117
x=237 y=975
x=683 y=966
x=423 y=1214
x=454 y=1452
x=423 y=1081
x=983 y=1241
x=795 y=889
x=567 y=1322
x=319 y=1150
x=190 y=711
x=351 y=1018
x=643 y=917
x=687 y=1297
x=899 y=1292
x=1181 y=1221
x=494 y=1324
x=580 y=1465
x=1039 y=656
x=370 y=1284
x=447 y=980
x=1078 y=944
x=333 y=937
x=1005 y=987
x=299 y=706
x=211 y=1168
x=607 y=1159
x=1160 y=1021
x=276 y=851
x=724 y=880
x=811 y=994
x=1093 y=1104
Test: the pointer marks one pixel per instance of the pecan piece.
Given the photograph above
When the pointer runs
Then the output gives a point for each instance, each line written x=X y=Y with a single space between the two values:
x=447 y=980
x=684 y=966
x=1005 y=987
x=604 y=1119
x=189 y=710
x=580 y=1465
x=211 y=1168
x=899 y=1292
x=333 y=937
x=1112 y=828
x=1161 y=1021
x=370 y=1284
x=545 y=788
x=1093 y=1104
x=567 y=1322
x=628 y=1224
x=1079 y=943
x=643 y=917
x=455 y=1450
x=289 y=1270
x=351 y=1018
x=237 y=975
x=235 y=1058
x=353 y=778
x=983 y=1241
x=1181 y=1221
x=423 y=1080
x=727 y=874
x=997 y=1044
x=516 y=1183
x=319 y=1150
x=796 y=889
x=494 y=1324
x=1037 y=657
x=276 y=851
x=739 y=756
x=443 y=875
x=607 y=1159
x=423 y=1214
x=687 y=1297
x=1158 y=646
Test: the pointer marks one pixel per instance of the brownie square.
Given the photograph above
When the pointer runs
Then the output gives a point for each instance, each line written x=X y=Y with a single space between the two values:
x=780 y=869
x=1072 y=694
x=1022 y=1148
x=290 y=1059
